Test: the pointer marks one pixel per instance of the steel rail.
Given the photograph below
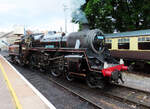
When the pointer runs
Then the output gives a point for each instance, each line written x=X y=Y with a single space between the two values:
x=77 y=94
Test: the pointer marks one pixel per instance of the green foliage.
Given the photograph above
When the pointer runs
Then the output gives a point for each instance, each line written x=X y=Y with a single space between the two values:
x=98 y=13
x=119 y=15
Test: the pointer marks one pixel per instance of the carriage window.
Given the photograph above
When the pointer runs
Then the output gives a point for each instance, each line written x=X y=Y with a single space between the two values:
x=144 y=43
x=123 y=43
x=108 y=43
x=147 y=38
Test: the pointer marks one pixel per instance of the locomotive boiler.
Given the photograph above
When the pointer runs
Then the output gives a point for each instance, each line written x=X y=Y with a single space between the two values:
x=78 y=55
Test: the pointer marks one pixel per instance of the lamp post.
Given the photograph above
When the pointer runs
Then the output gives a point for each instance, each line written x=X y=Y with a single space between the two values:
x=65 y=9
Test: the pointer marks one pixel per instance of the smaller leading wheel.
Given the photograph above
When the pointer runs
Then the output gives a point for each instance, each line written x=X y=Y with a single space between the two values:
x=91 y=82
x=94 y=81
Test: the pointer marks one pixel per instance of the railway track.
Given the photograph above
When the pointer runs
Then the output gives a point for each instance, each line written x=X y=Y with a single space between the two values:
x=138 y=98
x=134 y=89
x=77 y=94
x=133 y=97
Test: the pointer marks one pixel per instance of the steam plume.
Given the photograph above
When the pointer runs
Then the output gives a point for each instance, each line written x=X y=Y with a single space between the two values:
x=77 y=14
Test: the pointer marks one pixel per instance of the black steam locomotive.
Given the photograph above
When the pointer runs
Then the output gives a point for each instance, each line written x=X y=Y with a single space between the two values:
x=79 y=55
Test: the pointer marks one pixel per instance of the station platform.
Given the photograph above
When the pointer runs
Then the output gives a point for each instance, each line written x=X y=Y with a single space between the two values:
x=6 y=100
x=137 y=81
x=16 y=92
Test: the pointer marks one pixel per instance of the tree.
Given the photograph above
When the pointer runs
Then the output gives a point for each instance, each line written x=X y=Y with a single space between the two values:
x=117 y=15
x=98 y=13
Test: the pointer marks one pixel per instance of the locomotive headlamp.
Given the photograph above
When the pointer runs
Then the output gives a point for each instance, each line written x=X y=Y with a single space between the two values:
x=121 y=61
x=105 y=65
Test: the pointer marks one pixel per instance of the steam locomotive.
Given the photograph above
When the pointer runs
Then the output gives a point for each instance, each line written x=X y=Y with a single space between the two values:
x=78 y=55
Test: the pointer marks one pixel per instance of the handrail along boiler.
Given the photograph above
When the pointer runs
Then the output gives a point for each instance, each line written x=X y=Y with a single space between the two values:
x=80 y=54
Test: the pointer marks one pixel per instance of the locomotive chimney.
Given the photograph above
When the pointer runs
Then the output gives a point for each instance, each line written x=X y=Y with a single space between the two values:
x=85 y=26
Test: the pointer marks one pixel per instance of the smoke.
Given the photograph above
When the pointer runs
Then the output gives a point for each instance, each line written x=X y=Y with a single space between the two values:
x=77 y=14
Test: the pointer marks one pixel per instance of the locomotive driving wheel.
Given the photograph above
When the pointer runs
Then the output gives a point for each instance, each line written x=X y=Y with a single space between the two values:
x=57 y=68
x=55 y=72
x=91 y=81
x=68 y=76
x=32 y=63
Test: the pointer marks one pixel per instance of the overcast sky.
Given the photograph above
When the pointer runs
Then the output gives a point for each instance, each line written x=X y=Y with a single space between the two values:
x=35 y=14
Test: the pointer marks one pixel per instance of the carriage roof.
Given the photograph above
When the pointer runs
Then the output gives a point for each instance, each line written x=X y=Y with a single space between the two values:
x=129 y=34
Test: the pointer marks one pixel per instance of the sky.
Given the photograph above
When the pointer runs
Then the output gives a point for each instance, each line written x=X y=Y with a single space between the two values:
x=35 y=15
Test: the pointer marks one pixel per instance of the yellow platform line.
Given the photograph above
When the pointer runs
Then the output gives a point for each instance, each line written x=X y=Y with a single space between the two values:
x=18 y=105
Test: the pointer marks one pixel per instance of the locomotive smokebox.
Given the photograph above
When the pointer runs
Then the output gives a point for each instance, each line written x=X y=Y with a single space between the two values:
x=92 y=39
